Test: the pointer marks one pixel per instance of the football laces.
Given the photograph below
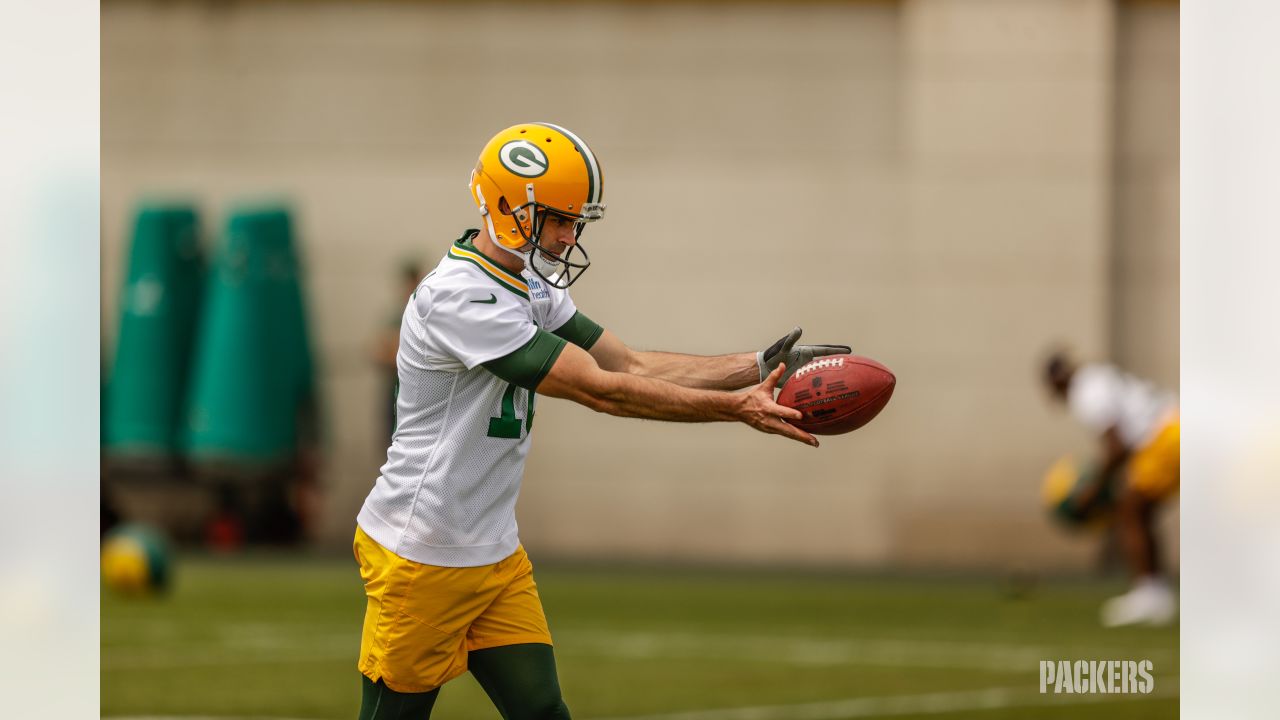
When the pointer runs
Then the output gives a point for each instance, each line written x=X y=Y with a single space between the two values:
x=819 y=364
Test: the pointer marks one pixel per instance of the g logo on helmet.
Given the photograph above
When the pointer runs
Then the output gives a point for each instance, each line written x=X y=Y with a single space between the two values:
x=523 y=158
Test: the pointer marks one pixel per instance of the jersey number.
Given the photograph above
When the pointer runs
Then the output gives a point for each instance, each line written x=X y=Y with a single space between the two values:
x=508 y=425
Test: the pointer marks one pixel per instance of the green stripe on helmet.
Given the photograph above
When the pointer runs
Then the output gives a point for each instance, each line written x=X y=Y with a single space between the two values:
x=594 y=180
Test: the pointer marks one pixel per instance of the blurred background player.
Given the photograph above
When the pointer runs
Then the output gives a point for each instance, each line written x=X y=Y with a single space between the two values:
x=387 y=344
x=449 y=586
x=1138 y=431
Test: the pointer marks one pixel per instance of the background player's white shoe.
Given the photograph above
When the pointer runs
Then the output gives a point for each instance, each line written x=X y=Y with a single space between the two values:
x=1151 y=602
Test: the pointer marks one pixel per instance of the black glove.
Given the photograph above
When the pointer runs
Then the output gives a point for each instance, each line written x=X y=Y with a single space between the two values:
x=786 y=350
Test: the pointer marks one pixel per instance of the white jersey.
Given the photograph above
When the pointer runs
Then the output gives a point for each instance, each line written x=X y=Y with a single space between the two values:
x=447 y=494
x=1102 y=397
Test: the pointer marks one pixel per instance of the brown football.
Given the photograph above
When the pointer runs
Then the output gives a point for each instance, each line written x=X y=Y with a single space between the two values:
x=838 y=393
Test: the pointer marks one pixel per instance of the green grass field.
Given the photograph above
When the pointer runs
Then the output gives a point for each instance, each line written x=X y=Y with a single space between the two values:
x=277 y=638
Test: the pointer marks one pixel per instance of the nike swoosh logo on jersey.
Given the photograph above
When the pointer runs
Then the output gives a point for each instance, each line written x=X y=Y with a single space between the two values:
x=492 y=299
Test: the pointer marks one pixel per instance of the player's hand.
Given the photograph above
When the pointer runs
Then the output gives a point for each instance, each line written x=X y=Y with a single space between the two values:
x=794 y=356
x=759 y=410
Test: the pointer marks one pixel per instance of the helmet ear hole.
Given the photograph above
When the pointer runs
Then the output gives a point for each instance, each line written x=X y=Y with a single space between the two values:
x=503 y=206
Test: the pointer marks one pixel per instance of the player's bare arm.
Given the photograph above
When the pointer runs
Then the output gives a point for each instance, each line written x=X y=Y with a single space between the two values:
x=716 y=372
x=1114 y=452
x=578 y=377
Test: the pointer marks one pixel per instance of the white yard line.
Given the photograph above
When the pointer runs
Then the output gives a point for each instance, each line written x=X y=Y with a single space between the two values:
x=843 y=651
x=849 y=709
x=801 y=651
x=236 y=648
x=222 y=658
x=890 y=705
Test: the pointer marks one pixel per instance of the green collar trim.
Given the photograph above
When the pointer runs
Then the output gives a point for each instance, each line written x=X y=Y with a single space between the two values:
x=465 y=251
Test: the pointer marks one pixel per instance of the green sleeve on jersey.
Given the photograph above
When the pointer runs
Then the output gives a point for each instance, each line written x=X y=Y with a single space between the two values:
x=580 y=330
x=528 y=364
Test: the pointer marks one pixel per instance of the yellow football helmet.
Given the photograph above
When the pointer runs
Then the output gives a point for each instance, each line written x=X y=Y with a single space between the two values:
x=538 y=168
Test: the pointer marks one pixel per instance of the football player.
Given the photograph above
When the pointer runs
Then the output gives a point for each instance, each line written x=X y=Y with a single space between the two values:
x=1138 y=430
x=449 y=586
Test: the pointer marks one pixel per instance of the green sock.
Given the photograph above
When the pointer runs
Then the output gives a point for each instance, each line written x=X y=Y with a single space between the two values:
x=379 y=702
x=520 y=680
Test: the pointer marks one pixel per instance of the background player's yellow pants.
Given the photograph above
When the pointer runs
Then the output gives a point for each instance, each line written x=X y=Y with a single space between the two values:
x=1154 y=468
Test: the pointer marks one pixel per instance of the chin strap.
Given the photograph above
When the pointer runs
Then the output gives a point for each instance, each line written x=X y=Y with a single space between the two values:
x=544 y=267
x=484 y=212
